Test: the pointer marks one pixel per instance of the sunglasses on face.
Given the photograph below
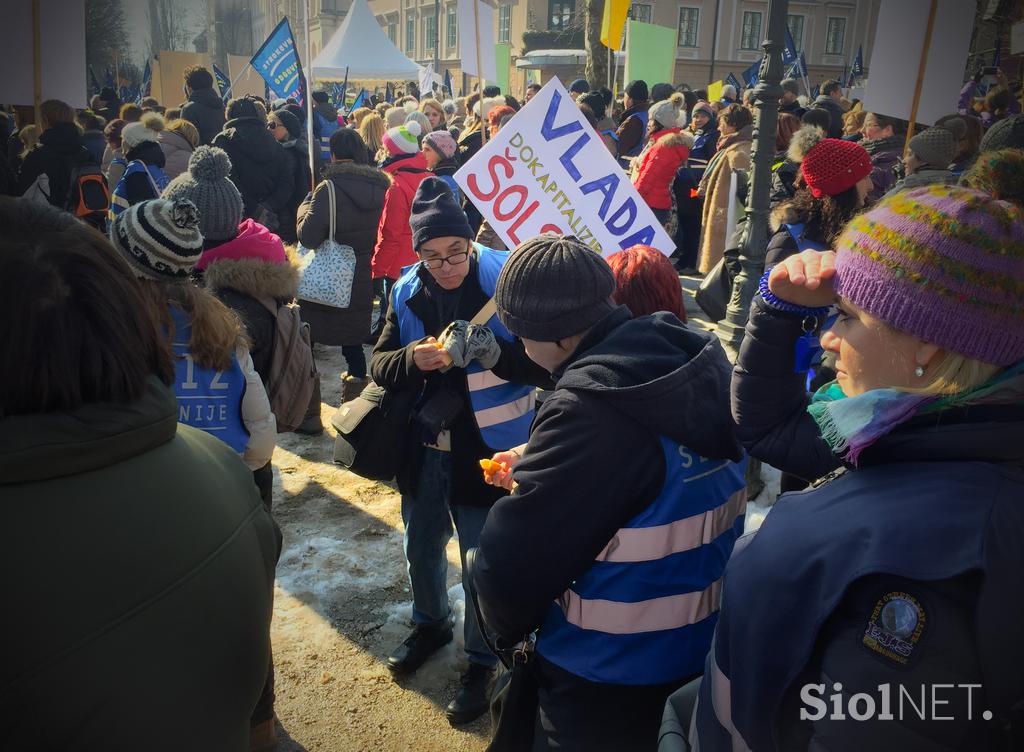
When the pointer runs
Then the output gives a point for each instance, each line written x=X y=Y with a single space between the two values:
x=271 y=125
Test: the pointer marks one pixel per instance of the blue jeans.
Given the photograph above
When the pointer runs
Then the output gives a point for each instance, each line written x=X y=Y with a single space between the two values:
x=428 y=520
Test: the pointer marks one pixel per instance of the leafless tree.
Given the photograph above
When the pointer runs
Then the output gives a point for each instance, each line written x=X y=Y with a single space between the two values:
x=168 y=25
x=596 y=69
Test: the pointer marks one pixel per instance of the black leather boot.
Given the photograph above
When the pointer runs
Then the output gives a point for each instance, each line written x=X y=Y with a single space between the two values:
x=418 y=646
x=474 y=696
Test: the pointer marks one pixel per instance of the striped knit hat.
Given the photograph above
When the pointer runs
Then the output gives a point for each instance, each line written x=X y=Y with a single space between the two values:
x=943 y=263
x=403 y=139
x=159 y=238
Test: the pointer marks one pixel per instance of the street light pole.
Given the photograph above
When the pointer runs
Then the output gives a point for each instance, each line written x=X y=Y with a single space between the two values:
x=755 y=239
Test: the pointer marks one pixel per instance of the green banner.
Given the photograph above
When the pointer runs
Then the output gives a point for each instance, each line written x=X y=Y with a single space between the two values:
x=502 y=61
x=650 y=53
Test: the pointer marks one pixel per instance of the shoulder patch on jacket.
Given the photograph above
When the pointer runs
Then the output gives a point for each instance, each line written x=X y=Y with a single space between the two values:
x=895 y=627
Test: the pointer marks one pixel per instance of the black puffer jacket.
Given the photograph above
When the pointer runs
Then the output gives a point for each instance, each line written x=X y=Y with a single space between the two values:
x=260 y=168
x=58 y=151
x=359 y=193
x=205 y=110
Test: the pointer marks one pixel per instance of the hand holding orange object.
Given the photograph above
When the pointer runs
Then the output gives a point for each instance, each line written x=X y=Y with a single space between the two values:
x=498 y=469
x=444 y=354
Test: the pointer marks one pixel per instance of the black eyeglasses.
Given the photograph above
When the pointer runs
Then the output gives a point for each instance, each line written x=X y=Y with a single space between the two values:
x=454 y=260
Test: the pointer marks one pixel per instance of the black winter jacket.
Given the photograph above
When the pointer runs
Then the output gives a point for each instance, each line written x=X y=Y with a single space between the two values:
x=58 y=151
x=297 y=154
x=260 y=168
x=205 y=110
x=973 y=623
x=594 y=460
x=392 y=367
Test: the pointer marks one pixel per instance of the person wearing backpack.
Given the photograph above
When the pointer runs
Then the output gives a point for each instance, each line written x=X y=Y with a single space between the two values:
x=247 y=268
x=143 y=176
x=59 y=156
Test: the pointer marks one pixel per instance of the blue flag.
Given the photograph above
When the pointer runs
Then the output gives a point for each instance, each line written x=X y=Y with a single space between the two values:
x=389 y=94
x=361 y=100
x=752 y=74
x=447 y=85
x=277 y=61
x=223 y=83
x=803 y=65
x=857 y=70
x=815 y=93
x=998 y=53
x=789 y=49
x=731 y=79
x=147 y=82
x=109 y=82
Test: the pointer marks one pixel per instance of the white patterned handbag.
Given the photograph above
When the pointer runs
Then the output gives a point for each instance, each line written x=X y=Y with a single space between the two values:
x=329 y=271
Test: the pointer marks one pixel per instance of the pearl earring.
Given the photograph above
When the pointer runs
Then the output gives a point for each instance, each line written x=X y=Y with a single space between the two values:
x=919 y=371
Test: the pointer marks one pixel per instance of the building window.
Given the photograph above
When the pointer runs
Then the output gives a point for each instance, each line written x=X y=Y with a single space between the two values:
x=429 y=34
x=835 y=36
x=393 y=32
x=410 y=34
x=796 y=30
x=750 y=39
x=504 y=23
x=451 y=14
x=561 y=14
x=640 y=12
x=688 y=18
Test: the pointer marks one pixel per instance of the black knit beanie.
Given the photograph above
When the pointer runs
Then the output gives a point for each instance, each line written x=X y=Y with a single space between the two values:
x=436 y=214
x=289 y=121
x=637 y=90
x=553 y=287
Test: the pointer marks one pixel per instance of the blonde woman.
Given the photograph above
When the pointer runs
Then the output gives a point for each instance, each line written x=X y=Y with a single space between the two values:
x=371 y=129
x=177 y=141
x=435 y=114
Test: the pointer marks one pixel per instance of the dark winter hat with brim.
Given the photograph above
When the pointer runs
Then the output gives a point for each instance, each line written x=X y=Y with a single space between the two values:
x=436 y=214
x=553 y=287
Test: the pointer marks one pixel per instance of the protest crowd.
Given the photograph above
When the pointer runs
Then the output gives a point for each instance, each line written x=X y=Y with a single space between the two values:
x=176 y=268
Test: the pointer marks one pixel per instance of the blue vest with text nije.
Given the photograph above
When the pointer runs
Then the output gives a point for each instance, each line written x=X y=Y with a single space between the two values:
x=326 y=129
x=646 y=610
x=503 y=411
x=208 y=399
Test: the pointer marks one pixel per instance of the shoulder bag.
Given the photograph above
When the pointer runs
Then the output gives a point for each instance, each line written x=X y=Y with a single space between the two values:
x=329 y=271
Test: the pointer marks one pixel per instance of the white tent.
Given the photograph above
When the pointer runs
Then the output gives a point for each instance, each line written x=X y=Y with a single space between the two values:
x=361 y=45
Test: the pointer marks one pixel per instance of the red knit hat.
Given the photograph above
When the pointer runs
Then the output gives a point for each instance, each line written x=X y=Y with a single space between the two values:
x=833 y=166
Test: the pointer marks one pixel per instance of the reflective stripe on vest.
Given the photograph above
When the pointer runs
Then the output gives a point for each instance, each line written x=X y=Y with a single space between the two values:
x=503 y=411
x=327 y=129
x=119 y=196
x=645 y=611
x=208 y=399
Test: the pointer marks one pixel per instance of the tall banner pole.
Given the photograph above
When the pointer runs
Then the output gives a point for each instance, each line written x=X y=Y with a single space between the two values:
x=921 y=66
x=309 y=102
x=479 y=71
x=37 y=66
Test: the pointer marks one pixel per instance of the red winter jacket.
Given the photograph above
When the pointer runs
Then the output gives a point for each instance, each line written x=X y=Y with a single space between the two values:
x=668 y=151
x=394 y=236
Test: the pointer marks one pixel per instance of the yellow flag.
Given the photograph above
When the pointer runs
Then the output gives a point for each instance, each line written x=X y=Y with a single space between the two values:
x=715 y=91
x=613 y=22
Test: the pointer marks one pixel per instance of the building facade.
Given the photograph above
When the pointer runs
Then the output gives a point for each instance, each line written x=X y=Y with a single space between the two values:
x=713 y=37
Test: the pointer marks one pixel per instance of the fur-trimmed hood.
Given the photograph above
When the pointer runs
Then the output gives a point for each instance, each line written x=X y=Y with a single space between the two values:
x=675 y=137
x=783 y=214
x=254 y=277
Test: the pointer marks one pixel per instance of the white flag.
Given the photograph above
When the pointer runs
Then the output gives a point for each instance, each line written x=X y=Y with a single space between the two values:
x=426 y=80
x=477 y=23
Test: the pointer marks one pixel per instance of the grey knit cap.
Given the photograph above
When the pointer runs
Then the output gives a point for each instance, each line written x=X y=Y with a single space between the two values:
x=553 y=287
x=1007 y=133
x=938 y=146
x=159 y=238
x=206 y=185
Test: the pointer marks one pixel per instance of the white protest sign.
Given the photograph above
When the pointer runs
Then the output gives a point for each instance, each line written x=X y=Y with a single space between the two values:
x=547 y=170
x=477 y=15
x=896 y=57
x=62 y=52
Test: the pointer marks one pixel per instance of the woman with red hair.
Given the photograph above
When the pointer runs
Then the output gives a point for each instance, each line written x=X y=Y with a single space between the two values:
x=646 y=282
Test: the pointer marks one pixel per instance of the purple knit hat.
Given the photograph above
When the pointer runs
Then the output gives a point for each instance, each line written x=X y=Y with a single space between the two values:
x=943 y=263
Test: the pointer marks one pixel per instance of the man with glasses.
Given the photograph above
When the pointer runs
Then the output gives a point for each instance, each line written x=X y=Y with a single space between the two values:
x=476 y=397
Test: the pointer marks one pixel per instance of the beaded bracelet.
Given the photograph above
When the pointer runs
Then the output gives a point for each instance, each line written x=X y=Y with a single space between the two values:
x=781 y=305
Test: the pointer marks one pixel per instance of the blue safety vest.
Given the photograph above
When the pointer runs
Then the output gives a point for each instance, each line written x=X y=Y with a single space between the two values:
x=208 y=399
x=326 y=129
x=646 y=610
x=503 y=411
x=158 y=180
